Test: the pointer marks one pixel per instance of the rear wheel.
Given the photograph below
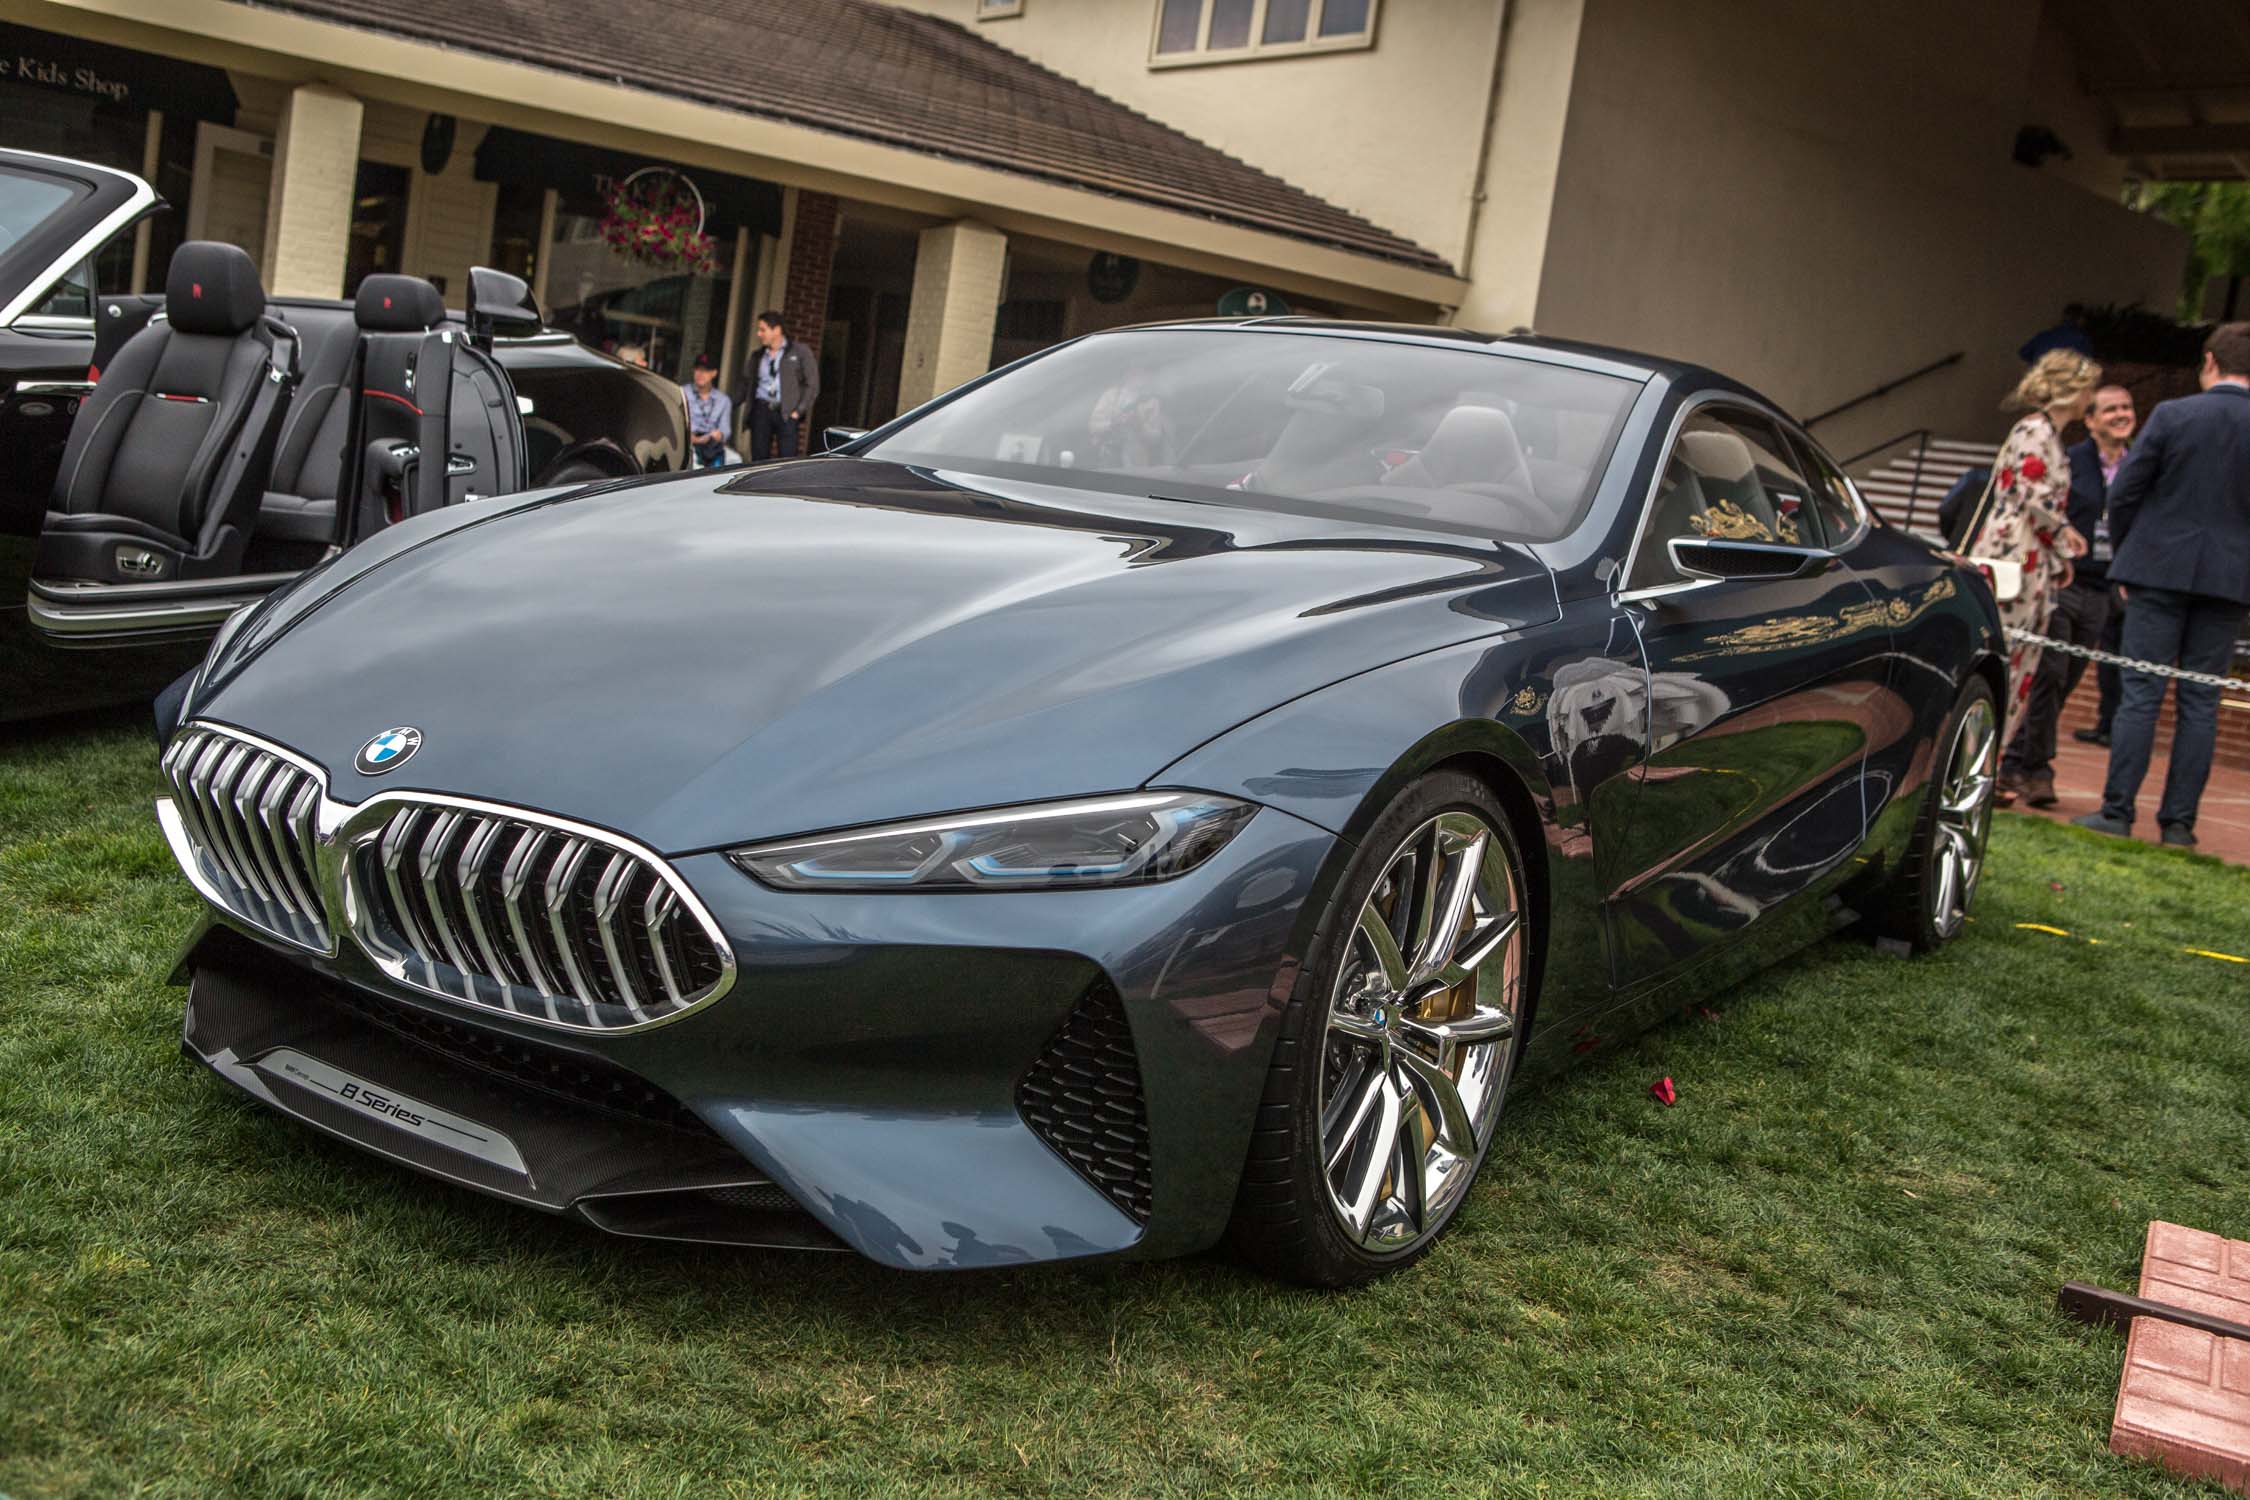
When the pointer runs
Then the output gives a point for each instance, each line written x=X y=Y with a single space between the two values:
x=1396 y=1050
x=1930 y=901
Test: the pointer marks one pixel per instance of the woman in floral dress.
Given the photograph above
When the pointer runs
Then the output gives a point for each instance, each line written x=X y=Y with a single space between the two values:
x=2026 y=521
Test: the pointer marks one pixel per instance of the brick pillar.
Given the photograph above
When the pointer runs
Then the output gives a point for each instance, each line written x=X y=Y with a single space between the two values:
x=957 y=270
x=804 y=292
x=309 y=210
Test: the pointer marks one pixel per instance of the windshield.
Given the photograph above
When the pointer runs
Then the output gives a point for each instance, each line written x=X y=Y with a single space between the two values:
x=27 y=201
x=1471 y=441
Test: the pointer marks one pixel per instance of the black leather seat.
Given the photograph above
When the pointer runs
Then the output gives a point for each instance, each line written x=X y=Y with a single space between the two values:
x=168 y=457
x=434 y=421
x=299 y=504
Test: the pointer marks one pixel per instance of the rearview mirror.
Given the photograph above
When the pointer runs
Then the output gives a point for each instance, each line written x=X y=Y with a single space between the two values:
x=832 y=438
x=500 y=304
x=1718 y=557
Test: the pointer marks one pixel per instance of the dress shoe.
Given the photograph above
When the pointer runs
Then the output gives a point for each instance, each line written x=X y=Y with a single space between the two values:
x=2102 y=822
x=2091 y=736
x=2009 y=788
x=2039 y=789
x=2179 y=836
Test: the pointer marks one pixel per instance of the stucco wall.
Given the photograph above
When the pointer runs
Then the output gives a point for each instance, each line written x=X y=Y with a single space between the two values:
x=1390 y=132
x=1817 y=210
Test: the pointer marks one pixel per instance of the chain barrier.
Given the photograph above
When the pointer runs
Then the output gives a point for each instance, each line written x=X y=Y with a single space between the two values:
x=2112 y=659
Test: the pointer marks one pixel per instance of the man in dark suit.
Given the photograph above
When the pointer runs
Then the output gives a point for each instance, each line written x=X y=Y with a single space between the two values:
x=2081 y=608
x=2179 y=513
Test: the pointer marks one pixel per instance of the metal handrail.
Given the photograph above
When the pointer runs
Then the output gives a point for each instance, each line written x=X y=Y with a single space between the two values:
x=1889 y=386
x=1921 y=438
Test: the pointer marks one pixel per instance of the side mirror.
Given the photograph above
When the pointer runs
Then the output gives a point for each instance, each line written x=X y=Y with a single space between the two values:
x=832 y=438
x=500 y=304
x=1717 y=557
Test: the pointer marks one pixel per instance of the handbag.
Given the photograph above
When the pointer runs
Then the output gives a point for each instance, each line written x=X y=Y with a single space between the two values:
x=2003 y=573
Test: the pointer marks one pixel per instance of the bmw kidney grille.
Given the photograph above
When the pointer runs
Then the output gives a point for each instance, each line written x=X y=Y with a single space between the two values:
x=491 y=906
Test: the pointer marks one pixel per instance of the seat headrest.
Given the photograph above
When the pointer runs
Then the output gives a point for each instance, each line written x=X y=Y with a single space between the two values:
x=212 y=288
x=1721 y=455
x=397 y=304
x=1473 y=445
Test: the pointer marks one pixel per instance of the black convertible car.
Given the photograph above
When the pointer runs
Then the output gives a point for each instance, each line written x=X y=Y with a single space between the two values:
x=1165 y=791
x=239 y=439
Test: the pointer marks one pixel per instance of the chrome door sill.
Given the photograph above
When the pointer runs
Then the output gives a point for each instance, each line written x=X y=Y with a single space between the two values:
x=71 y=614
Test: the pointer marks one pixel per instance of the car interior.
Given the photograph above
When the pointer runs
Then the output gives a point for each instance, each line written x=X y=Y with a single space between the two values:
x=1717 y=484
x=226 y=431
x=1489 y=446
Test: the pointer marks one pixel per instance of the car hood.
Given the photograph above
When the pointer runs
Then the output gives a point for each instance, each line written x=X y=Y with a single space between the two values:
x=717 y=659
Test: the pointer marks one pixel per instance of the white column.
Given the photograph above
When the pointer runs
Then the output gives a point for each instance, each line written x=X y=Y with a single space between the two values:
x=309 y=212
x=957 y=273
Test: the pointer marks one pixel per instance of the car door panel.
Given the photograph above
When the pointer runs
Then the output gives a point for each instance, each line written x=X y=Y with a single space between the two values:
x=1761 y=697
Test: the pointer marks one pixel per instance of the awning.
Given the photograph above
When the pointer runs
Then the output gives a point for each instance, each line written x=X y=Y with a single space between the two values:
x=730 y=202
x=116 y=75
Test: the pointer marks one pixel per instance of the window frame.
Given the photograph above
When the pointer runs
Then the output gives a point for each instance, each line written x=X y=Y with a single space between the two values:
x=1792 y=437
x=1256 y=49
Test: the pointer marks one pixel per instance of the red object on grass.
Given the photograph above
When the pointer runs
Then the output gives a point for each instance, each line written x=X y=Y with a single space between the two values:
x=1663 y=1091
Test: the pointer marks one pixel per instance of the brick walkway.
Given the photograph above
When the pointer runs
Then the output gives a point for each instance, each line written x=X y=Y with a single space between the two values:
x=2222 y=824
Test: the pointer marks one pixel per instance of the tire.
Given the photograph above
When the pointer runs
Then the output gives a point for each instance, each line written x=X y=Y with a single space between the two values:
x=1364 y=1059
x=1930 y=899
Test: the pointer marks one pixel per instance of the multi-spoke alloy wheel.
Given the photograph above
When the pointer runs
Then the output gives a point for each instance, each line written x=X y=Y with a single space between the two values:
x=1419 y=1033
x=1964 y=817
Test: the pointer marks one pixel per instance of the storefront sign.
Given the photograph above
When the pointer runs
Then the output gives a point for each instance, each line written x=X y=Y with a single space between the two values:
x=114 y=75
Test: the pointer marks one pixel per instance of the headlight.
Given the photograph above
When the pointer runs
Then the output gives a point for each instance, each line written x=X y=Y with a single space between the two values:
x=1134 y=838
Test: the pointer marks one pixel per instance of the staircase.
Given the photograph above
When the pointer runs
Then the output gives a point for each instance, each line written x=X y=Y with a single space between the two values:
x=1906 y=488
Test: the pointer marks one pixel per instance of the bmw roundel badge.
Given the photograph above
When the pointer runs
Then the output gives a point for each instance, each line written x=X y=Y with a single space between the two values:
x=388 y=750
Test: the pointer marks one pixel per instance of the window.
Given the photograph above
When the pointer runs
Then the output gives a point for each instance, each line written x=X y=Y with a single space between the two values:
x=1474 y=444
x=377 y=240
x=72 y=296
x=1834 y=497
x=1206 y=31
x=993 y=10
x=1727 y=477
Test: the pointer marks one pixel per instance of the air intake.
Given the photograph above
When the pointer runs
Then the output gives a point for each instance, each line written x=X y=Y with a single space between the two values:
x=1082 y=1096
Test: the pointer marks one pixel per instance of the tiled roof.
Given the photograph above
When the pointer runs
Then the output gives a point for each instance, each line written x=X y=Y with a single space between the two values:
x=870 y=70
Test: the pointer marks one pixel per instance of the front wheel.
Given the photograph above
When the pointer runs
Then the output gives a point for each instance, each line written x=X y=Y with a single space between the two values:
x=1396 y=1049
x=1929 y=903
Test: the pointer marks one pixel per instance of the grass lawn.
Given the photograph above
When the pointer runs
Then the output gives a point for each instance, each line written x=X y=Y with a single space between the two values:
x=1830 y=1268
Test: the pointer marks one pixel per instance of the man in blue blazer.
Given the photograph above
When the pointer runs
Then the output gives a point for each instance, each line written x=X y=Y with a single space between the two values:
x=2179 y=515
x=2081 y=609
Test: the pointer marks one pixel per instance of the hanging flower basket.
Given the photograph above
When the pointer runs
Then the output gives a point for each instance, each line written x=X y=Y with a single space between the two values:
x=655 y=219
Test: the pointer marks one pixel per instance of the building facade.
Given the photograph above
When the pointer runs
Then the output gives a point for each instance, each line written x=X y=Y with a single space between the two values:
x=1818 y=201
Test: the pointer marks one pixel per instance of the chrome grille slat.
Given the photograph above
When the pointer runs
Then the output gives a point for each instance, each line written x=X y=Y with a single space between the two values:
x=250 y=817
x=273 y=812
x=559 y=881
x=433 y=866
x=392 y=851
x=515 y=883
x=217 y=789
x=655 y=912
x=249 y=801
x=609 y=895
x=476 y=852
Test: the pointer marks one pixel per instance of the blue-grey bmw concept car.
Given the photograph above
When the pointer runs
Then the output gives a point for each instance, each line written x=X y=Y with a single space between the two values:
x=1164 y=792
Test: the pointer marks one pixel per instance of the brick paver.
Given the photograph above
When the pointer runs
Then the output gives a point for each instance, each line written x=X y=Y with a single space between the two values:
x=2184 y=1397
x=2222 y=823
